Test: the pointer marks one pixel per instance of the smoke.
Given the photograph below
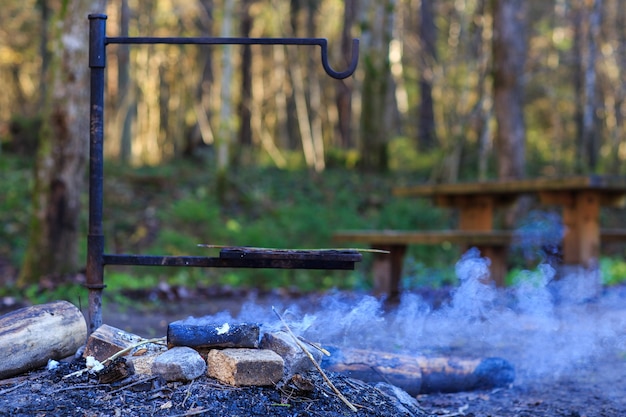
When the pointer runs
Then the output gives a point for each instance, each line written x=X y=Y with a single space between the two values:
x=544 y=326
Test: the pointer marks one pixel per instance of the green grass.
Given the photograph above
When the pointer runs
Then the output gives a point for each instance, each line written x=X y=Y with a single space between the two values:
x=168 y=210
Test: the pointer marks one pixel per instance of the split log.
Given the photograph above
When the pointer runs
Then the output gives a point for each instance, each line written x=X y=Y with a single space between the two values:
x=30 y=336
x=107 y=340
x=421 y=374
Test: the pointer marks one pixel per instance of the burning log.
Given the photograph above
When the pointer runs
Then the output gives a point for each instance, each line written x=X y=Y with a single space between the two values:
x=197 y=336
x=30 y=336
x=421 y=374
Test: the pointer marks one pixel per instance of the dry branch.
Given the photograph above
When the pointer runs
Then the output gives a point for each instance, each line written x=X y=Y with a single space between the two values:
x=306 y=351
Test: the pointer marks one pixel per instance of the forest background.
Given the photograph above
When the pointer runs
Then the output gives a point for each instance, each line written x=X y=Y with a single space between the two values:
x=256 y=145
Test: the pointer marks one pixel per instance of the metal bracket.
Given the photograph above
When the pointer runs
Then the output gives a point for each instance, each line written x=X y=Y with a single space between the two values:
x=229 y=257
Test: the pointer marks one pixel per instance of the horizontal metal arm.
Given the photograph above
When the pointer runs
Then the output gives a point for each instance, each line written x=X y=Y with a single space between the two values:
x=220 y=262
x=321 y=42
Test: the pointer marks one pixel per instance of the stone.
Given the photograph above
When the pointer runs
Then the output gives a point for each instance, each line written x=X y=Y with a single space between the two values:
x=179 y=364
x=296 y=361
x=143 y=363
x=402 y=400
x=244 y=367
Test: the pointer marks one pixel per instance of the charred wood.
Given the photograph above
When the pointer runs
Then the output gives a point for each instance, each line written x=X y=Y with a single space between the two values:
x=421 y=374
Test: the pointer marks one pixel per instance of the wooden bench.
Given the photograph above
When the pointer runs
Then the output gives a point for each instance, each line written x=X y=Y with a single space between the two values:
x=387 y=268
x=493 y=244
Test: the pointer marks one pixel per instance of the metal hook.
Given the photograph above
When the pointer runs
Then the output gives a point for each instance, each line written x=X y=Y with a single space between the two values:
x=353 y=63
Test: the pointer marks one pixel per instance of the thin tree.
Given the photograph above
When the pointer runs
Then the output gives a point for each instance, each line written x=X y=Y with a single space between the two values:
x=427 y=32
x=509 y=55
x=244 y=106
x=587 y=17
x=344 y=87
x=377 y=25
x=202 y=131
x=125 y=99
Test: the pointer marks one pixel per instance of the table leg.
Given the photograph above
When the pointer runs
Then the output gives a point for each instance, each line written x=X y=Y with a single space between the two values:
x=476 y=214
x=581 y=240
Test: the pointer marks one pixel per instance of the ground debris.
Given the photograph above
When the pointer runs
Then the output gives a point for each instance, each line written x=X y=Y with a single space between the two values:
x=47 y=393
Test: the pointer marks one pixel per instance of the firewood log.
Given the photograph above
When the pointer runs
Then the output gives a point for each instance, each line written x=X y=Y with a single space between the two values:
x=211 y=335
x=421 y=374
x=30 y=336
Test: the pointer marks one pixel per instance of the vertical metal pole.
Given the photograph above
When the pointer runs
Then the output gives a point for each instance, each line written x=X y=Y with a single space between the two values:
x=95 y=238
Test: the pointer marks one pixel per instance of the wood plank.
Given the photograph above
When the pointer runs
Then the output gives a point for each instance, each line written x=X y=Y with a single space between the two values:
x=425 y=237
x=610 y=184
x=237 y=252
x=612 y=235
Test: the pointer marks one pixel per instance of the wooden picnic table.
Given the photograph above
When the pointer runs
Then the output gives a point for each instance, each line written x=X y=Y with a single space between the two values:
x=580 y=198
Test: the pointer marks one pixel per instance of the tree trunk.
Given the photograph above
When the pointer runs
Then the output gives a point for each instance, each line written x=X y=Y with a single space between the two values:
x=62 y=154
x=509 y=53
x=244 y=152
x=223 y=139
x=202 y=132
x=426 y=132
x=376 y=82
x=586 y=30
x=126 y=98
x=344 y=87
x=315 y=93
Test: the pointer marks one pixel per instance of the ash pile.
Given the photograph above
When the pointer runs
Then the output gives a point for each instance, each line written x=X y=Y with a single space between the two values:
x=210 y=368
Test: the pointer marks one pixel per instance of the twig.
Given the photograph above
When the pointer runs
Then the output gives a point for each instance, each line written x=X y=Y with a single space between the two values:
x=132 y=384
x=74 y=387
x=306 y=351
x=118 y=354
x=210 y=246
x=192 y=413
x=315 y=345
x=13 y=388
x=122 y=352
x=187 y=394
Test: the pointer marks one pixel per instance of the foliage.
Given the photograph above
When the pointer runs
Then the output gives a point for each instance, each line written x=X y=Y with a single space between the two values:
x=613 y=271
x=16 y=173
x=170 y=208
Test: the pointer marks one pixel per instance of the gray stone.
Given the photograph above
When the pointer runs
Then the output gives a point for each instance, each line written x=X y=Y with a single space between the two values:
x=179 y=364
x=403 y=401
x=296 y=361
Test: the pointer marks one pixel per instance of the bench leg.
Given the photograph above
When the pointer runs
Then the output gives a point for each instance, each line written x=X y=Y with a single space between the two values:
x=388 y=270
x=581 y=242
x=497 y=255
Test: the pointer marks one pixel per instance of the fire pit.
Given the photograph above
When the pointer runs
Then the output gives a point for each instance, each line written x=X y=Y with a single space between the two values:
x=568 y=359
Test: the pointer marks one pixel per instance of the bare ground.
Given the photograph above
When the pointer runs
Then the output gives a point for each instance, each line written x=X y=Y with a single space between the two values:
x=571 y=365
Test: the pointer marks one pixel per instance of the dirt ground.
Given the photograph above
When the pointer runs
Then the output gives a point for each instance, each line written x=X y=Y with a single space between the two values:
x=569 y=353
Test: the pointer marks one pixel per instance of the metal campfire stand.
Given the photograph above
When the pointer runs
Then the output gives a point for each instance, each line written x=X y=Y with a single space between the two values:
x=230 y=257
